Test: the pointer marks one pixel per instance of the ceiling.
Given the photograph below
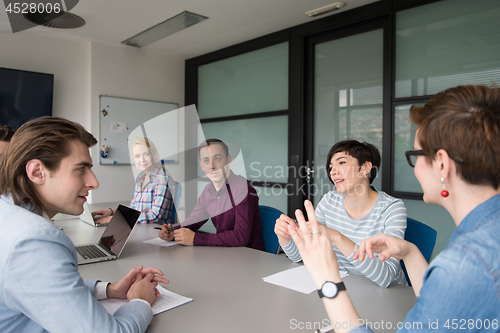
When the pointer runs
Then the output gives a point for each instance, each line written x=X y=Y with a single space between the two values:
x=230 y=21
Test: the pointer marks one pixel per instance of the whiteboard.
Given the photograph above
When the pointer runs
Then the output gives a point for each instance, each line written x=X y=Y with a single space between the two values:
x=123 y=120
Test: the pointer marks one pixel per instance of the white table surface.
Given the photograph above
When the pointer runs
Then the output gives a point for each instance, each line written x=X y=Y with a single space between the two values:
x=227 y=287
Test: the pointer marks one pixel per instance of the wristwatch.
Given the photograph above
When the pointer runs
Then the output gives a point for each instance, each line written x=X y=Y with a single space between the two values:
x=330 y=289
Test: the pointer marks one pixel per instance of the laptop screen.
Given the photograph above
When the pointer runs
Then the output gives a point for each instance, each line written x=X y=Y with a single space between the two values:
x=116 y=234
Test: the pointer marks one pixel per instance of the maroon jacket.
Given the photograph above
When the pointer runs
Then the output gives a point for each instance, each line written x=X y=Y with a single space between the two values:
x=234 y=211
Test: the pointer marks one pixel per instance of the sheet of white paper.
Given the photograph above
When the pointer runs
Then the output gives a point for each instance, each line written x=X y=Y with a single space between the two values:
x=168 y=300
x=296 y=279
x=160 y=242
x=118 y=127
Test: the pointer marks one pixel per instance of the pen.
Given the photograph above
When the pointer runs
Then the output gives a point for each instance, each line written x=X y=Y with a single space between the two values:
x=169 y=229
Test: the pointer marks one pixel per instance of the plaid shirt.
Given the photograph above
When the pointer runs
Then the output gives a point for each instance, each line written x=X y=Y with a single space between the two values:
x=154 y=200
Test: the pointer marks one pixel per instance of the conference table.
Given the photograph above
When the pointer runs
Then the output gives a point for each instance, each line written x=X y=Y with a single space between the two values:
x=227 y=289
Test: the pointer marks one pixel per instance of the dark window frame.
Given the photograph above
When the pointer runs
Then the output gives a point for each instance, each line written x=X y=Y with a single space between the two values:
x=191 y=85
x=381 y=22
x=298 y=97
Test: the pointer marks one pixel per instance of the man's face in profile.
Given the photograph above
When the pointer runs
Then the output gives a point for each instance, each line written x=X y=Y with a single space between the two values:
x=215 y=163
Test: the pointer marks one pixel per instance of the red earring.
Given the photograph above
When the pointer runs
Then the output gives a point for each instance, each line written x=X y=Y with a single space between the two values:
x=444 y=193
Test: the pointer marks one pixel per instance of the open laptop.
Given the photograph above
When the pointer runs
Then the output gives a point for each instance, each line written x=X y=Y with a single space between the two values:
x=113 y=239
x=87 y=217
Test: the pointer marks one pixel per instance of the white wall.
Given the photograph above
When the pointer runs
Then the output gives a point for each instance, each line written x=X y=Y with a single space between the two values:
x=84 y=70
x=123 y=71
x=69 y=61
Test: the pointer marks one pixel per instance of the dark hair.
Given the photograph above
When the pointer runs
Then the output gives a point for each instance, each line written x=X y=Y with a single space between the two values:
x=6 y=133
x=362 y=151
x=464 y=121
x=209 y=142
x=47 y=139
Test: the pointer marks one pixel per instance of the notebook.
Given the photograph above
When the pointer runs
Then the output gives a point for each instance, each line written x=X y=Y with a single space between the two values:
x=113 y=240
x=87 y=217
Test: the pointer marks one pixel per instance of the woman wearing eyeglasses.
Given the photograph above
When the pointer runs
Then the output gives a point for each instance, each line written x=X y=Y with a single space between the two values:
x=353 y=212
x=456 y=158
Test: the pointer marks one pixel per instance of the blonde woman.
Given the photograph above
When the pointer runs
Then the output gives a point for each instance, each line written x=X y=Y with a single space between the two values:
x=152 y=195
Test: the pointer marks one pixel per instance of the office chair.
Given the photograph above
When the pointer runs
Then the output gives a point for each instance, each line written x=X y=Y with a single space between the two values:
x=268 y=217
x=176 y=195
x=423 y=236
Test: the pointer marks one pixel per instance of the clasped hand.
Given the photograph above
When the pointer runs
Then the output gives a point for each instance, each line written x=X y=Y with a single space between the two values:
x=138 y=283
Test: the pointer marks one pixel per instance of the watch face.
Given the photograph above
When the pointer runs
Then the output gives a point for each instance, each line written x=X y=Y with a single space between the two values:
x=329 y=289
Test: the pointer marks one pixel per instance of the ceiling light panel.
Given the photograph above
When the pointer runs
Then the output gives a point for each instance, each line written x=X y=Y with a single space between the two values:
x=325 y=9
x=164 y=29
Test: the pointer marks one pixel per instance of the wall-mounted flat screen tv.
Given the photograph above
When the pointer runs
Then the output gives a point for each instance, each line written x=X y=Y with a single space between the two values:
x=24 y=96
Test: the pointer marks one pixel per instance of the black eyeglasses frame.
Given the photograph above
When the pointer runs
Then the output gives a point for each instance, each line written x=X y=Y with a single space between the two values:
x=410 y=153
x=420 y=152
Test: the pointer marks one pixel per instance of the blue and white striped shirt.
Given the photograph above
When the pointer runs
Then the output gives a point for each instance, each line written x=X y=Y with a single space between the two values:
x=387 y=216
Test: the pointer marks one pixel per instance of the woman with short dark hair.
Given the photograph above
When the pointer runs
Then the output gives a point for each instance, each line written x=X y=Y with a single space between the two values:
x=353 y=212
x=456 y=156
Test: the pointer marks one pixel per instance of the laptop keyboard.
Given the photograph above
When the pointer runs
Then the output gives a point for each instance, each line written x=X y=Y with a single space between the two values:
x=90 y=252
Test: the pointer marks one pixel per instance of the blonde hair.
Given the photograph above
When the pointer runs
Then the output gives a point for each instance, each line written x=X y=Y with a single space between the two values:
x=152 y=148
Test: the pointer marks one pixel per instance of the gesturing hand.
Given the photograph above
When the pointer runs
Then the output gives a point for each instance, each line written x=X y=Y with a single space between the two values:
x=387 y=246
x=281 y=226
x=315 y=247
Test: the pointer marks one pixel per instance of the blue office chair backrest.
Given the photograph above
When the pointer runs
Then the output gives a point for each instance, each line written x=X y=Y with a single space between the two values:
x=176 y=195
x=423 y=236
x=268 y=217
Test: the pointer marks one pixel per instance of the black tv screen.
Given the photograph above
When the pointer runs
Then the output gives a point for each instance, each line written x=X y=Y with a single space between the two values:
x=24 y=96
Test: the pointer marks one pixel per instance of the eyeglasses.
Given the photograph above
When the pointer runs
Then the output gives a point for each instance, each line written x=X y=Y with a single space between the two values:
x=411 y=156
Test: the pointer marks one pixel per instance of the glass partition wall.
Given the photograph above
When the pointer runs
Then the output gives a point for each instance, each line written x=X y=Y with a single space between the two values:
x=243 y=100
x=348 y=86
x=350 y=75
x=438 y=46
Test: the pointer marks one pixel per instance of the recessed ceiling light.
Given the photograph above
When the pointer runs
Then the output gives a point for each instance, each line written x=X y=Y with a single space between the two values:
x=164 y=29
x=325 y=9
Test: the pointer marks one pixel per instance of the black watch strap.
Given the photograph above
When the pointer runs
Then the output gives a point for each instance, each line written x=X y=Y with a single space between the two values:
x=340 y=287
